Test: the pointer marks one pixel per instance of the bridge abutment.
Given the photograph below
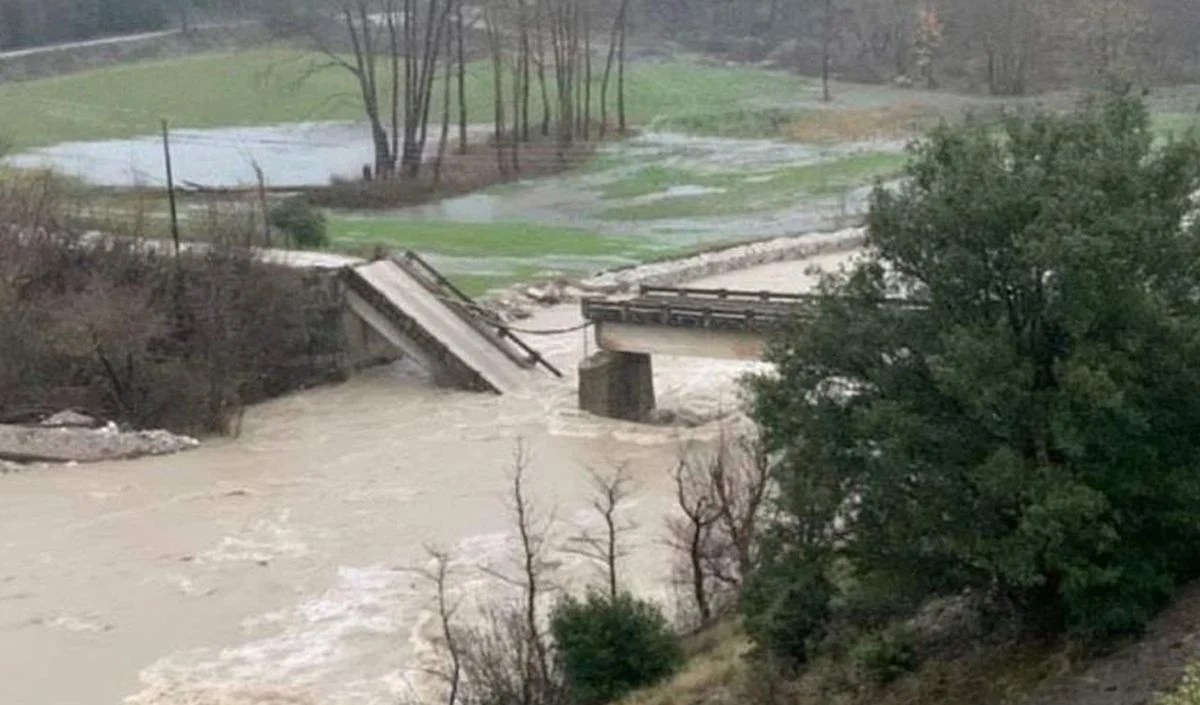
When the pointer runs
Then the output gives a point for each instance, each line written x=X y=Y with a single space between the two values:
x=617 y=385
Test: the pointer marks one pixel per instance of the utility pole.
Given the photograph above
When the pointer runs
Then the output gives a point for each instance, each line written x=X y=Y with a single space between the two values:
x=170 y=186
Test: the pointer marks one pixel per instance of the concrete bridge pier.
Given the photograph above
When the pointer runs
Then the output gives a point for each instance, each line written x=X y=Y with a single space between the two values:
x=617 y=385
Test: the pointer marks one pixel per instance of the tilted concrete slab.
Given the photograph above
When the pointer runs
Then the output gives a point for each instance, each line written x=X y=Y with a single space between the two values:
x=426 y=327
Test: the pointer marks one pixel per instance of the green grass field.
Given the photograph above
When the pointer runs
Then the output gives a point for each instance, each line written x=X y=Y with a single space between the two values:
x=269 y=86
x=497 y=254
x=467 y=239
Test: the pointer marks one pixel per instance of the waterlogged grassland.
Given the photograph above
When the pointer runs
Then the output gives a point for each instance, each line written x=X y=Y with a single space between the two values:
x=630 y=203
x=483 y=256
x=733 y=194
x=469 y=239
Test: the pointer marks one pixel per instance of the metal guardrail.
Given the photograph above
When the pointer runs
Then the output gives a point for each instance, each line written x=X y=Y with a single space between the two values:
x=727 y=295
x=678 y=312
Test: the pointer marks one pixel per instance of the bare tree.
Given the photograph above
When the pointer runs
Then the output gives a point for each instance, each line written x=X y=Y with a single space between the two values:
x=532 y=528
x=462 y=75
x=826 y=42
x=492 y=27
x=618 y=24
x=722 y=495
x=692 y=534
x=439 y=577
x=606 y=549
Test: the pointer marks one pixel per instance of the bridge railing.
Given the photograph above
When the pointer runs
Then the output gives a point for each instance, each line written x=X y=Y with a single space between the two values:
x=451 y=294
x=688 y=314
x=728 y=294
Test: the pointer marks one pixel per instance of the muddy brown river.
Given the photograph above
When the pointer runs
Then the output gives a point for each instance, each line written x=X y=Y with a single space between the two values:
x=277 y=567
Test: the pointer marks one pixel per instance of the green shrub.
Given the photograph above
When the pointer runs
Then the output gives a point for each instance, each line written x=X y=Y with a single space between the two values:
x=1188 y=692
x=885 y=656
x=1028 y=430
x=609 y=646
x=785 y=604
x=303 y=223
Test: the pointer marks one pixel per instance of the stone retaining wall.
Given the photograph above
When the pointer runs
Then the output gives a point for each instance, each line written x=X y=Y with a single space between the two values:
x=710 y=264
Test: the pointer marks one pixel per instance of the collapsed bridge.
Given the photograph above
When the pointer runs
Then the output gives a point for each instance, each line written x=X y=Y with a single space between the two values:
x=419 y=313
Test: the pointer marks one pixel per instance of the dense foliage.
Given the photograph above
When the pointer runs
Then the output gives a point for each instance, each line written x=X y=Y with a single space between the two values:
x=611 y=645
x=302 y=223
x=1023 y=423
x=131 y=334
x=1005 y=47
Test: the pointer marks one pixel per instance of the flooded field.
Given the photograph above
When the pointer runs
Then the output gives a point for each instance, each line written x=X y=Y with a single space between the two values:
x=655 y=195
x=296 y=154
x=276 y=568
x=652 y=196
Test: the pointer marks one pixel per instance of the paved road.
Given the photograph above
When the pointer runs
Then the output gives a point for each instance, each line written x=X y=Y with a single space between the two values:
x=103 y=41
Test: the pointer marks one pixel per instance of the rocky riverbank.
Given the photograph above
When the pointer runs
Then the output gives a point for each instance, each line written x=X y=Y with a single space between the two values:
x=74 y=438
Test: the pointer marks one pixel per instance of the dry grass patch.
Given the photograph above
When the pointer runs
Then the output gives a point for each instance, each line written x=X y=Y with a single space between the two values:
x=712 y=673
x=837 y=124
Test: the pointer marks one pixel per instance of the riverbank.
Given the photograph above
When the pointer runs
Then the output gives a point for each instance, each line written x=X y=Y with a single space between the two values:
x=283 y=559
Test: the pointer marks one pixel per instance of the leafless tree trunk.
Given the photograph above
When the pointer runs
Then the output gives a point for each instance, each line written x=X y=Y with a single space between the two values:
x=722 y=496
x=621 y=123
x=493 y=33
x=363 y=46
x=826 y=42
x=446 y=610
x=444 y=140
x=526 y=49
x=607 y=549
x=532 y=547
x=462 y=77
x=587 y=74
x=618 y=23
x=541 y=66
x=692 y=534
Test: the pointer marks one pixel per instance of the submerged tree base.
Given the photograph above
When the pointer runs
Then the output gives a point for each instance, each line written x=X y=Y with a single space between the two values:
x=478 y=167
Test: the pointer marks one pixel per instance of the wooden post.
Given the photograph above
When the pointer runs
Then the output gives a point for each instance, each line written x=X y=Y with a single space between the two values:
x=170 y=186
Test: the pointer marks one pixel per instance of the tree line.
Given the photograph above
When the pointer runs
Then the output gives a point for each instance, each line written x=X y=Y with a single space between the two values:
x=1003 y=47
x=556 y=69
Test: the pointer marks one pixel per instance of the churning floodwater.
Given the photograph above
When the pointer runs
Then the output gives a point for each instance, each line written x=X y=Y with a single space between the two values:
x=277 y=568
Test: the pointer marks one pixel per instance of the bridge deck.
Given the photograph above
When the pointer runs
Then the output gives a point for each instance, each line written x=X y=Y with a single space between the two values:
x=720 y=309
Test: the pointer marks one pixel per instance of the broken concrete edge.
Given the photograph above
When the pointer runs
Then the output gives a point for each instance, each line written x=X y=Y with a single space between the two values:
x=517 y=301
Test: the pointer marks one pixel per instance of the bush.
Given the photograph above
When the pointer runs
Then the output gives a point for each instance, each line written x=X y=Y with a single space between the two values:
x=303 y=223
x=785 y=603
x=885 y=656
x=1025 y=428
x=146 y=339
x=609 y=646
